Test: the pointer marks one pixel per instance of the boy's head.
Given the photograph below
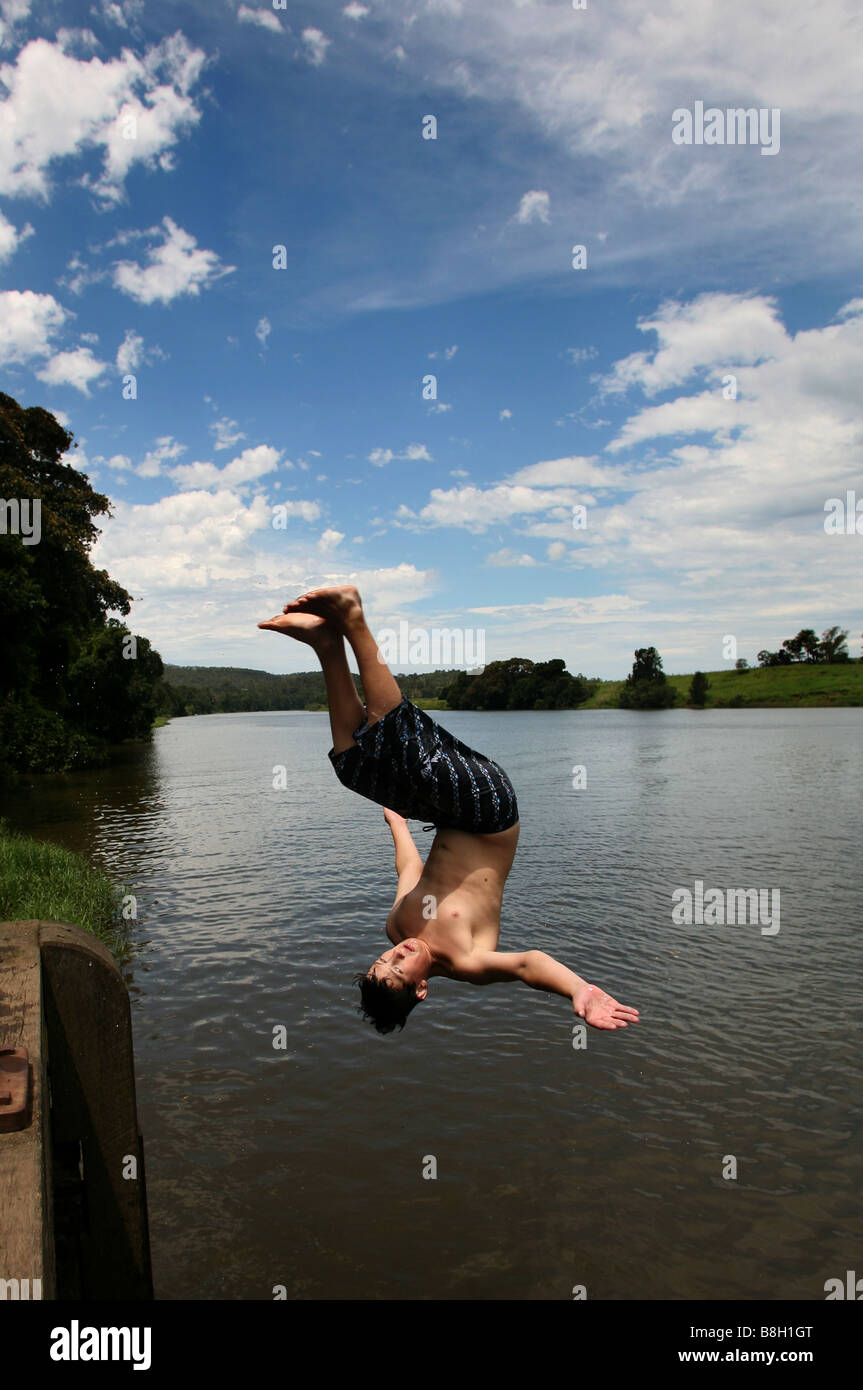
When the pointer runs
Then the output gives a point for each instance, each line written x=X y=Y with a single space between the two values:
x=394 y=985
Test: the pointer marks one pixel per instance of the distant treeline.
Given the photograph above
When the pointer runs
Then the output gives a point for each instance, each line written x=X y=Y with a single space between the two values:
x=232 y=689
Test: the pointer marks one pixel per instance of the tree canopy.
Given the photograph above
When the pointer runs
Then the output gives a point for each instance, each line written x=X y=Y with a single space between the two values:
x=67 y=683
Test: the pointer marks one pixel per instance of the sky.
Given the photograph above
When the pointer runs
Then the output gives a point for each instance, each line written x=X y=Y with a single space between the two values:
x=302 y=281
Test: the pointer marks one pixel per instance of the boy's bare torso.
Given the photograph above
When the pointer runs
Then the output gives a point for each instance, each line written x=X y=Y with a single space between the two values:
x=456 y=903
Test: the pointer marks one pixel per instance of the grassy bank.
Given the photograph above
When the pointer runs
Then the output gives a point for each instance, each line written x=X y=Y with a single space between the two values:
x=40 y=880
x=764 y=686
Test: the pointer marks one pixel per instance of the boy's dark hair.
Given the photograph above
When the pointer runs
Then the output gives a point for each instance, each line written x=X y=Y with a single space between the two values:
x=385 y=1006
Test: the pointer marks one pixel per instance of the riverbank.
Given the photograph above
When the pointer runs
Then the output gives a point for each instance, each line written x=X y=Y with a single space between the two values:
x=44 y=881
x=762 y=687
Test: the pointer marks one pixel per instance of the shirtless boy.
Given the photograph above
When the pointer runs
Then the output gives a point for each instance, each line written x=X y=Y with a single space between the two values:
x=446 y=916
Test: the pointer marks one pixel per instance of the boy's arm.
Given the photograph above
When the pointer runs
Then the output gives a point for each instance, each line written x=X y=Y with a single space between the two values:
x=541 y=971
x=409 y=865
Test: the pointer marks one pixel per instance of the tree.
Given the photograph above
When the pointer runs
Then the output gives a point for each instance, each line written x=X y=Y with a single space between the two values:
x=833 y=646
x=698 y=687
x=803 y=647
x=56 y=643
x=741 y=664
x=646 y=687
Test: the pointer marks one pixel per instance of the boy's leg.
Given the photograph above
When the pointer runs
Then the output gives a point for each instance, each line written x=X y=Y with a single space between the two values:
x=345 y=707
x=343 y=610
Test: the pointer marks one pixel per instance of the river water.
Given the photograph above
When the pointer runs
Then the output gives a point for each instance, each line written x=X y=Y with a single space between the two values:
x=609 y=1166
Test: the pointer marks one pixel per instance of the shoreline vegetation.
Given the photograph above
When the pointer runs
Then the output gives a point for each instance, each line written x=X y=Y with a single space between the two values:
x=45 y=882
x=232 y=690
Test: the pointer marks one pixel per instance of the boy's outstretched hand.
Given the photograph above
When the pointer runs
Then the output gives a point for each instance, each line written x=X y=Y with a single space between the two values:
x=599 y=1009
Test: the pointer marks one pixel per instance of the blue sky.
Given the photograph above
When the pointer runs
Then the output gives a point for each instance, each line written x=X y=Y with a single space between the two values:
x=152 y=156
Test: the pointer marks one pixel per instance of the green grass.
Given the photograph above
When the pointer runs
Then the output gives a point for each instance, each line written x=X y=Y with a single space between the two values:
x=763 y=686
x=47 y=882
x=161 y=720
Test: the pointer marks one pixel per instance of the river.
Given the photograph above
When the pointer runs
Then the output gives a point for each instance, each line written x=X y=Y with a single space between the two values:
x=711 y=1151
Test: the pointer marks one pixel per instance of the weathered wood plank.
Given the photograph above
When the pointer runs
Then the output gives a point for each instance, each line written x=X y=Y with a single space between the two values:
x=26 y=1218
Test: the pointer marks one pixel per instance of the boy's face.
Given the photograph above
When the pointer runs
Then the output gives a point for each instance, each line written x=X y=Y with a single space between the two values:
x=403 y=965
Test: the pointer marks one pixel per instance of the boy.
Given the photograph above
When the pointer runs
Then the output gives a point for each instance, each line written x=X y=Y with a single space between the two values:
x=446 y=916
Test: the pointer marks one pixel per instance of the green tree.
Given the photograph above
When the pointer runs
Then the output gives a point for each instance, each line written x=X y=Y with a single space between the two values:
x=113 y=684
x=698 y=688
x=58 y=694
x=646 y=687
x=834 y=645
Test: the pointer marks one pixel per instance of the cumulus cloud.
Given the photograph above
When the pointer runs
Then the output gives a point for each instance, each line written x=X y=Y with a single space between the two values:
x=266 y=18
x=509 y=559
x=330 y=539
x=247 y=467
x=412 y=452
x=28 y=323
x=176 y=267
x=77 y=367
x=315 y=45
x=227 y=433
x=165 y=450
x=535 y=206
x=131 y=109
x=11 y=238
x=505 y=414
x=263 y=330
x=130 y=352
x=355 y=10
x=711 y=330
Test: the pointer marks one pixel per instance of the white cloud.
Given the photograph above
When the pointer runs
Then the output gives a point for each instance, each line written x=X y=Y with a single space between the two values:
x=574 y=471
x=68 y=38
x=103 y=102
x=475 y=509
x=439 y=408
x=446 y=353
x=535 y=206
x=555 y=551
x=509 y=559
x=316 y=45
x=580 y=354
x=121 y=14
x=712 y=329
x=248 y=466
x=355 y=10
x=227 y=433
x=266 y=18
x=166 y=450
x=330 y=539
x=263 y=330
x=130 y=352
x=412 y=452
x=178 y=266
x=28 y=322
x=505 y=414
x=77 y=367
x=11 y=238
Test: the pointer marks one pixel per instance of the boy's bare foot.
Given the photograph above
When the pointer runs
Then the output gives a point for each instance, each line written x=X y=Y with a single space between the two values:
x=306 y=627
x=341 y=606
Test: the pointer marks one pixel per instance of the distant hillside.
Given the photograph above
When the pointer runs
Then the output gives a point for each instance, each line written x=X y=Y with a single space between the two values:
x=230 y=689
x=780 y=686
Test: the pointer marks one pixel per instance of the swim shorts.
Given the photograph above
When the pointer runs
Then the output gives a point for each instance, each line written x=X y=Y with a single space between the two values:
x=411 y=764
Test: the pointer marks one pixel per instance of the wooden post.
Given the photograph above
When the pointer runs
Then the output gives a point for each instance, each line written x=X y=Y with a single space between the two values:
x=26 y=1215
x=92 y=1170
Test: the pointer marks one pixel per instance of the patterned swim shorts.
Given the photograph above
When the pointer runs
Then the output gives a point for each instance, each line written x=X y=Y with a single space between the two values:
x=415 y=767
